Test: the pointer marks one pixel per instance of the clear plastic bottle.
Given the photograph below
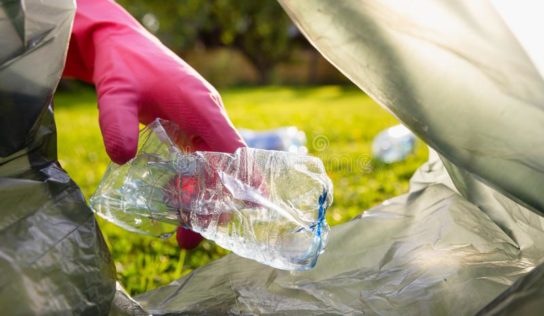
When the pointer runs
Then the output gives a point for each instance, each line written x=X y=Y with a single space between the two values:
x=264 y=205
x=289 y=139
x=393 y=144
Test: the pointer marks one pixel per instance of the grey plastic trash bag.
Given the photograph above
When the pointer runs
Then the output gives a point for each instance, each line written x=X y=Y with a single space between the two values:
x=452 y=71
x=471 y=225
x=53 y=260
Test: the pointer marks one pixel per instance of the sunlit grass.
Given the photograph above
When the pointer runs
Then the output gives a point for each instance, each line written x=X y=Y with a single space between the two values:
x=339 y=123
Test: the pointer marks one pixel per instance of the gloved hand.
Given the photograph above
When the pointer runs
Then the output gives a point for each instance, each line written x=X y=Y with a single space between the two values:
x=138 y=79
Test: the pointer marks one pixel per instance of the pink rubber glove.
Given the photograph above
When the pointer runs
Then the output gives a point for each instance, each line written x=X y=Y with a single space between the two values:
x=138 y=79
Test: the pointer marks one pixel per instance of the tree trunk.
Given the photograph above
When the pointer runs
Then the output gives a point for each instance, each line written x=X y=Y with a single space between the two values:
x=264 y=73
x=263 y=68
x=312 y=67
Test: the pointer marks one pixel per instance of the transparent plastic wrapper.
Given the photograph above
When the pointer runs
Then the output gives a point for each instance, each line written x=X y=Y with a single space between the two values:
x=393 y=144
x=289 y=139
x=264 y=205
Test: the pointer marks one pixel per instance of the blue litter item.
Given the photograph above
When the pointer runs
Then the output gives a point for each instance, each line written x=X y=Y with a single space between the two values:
x=288 y=138
x=393 y=144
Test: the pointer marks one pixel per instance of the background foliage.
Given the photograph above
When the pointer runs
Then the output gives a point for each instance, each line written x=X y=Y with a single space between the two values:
x=259 y=30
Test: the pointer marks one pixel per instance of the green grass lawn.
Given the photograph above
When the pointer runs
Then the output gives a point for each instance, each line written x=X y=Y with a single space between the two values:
x=340 y=124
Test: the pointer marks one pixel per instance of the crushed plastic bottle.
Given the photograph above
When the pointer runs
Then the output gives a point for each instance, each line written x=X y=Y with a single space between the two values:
x=289 y=139
x=268 y=206
x=393 y=144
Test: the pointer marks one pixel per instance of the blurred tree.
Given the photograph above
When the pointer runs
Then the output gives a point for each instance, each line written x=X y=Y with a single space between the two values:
x=176 y=23
x=260 y=30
